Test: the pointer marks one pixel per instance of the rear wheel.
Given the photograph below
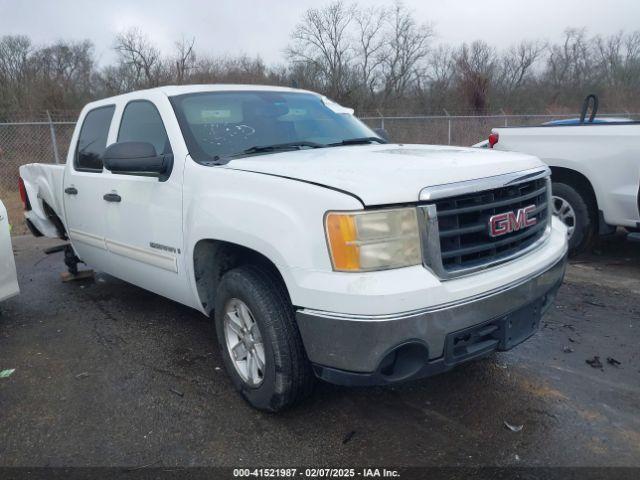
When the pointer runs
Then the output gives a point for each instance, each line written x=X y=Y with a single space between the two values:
x=576 y=213
x=259 y=339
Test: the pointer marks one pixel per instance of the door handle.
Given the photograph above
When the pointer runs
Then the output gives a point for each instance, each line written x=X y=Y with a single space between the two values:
x=71 y=191
x=112 y=197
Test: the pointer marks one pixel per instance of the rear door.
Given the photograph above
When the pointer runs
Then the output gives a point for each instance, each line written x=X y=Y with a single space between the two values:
x=144 y=227
x=84 y=187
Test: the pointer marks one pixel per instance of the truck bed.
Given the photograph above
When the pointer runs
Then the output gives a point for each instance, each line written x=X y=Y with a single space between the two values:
x=537 y=140
x=607 y=154
x=44 y=185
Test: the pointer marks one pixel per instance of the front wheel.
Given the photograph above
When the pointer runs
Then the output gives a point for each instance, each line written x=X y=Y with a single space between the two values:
x=259 y=339
x=575 y=212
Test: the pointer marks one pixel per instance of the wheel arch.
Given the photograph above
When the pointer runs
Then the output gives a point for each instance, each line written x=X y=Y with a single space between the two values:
x=55 y=219
x=213 y=258
x=579 y=181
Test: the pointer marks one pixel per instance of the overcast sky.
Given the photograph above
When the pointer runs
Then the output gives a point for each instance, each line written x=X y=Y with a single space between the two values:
x=263 y=27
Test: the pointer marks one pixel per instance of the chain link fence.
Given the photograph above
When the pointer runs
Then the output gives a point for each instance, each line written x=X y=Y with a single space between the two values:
x=47 y=138
x=40 y=141
x=461 y=130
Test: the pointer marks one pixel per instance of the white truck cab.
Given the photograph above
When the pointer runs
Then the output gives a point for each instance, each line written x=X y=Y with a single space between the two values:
x=319 y=249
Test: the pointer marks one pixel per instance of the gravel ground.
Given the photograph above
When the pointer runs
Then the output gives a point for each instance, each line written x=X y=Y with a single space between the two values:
x=108 y=374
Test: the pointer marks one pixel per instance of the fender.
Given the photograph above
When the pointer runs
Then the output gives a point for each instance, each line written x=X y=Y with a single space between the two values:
x=292 y=238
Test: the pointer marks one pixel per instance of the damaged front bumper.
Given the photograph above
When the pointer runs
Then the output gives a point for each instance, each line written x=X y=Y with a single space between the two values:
x=375 y=350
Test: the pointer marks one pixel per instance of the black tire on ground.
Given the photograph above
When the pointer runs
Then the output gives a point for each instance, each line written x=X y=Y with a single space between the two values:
x=287 y=376
x=585 y=216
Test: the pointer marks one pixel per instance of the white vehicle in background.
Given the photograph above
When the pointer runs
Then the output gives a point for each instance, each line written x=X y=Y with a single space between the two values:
x=319 y=249
x=8 y=278
x=595 y=170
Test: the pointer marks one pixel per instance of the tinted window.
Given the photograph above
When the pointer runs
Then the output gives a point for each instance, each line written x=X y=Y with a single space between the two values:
x=218 y=124
x=93 y=139
x=141 y=122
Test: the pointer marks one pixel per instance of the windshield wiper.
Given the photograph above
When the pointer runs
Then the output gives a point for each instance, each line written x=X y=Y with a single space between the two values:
x=280 y=146
x=357 y=141
x=219 y=159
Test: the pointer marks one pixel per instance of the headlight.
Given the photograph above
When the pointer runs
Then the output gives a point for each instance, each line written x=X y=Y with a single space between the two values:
x=376 y=240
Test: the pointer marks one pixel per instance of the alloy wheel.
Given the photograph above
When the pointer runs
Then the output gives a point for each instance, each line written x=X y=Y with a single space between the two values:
x=244 y=342
x=564 y=211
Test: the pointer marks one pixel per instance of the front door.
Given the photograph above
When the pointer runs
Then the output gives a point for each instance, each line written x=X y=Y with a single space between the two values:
x=144 y=224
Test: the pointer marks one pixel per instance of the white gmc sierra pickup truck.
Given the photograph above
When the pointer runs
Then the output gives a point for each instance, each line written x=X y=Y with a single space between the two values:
x=319 y=249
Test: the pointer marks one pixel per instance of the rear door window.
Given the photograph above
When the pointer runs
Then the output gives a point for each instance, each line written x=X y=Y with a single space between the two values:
x=93 y=139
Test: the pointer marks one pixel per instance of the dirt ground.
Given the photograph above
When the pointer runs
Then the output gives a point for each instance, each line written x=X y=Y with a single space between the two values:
x=107 y=374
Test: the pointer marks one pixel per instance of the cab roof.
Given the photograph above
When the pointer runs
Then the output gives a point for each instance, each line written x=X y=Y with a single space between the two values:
x=173 y=90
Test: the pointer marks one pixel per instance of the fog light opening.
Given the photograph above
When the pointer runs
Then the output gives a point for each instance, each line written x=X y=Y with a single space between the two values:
x=404 y=361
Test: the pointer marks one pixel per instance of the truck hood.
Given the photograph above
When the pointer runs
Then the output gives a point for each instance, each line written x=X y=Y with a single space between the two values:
x=386 y=174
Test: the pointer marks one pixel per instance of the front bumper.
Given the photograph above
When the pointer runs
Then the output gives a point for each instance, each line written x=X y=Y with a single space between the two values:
x=369 y=350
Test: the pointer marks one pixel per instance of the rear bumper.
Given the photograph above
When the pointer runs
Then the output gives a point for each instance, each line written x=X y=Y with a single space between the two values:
x=359 y=350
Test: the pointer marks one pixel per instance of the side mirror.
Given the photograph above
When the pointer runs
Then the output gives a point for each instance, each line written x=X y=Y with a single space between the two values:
x=382 y=133
x=137 y=158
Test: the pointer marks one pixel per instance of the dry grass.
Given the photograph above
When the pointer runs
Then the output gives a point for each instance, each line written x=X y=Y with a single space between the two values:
x=13 y=204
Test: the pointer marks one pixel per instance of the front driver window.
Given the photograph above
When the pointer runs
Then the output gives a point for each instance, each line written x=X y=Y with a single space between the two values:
x=141 y=122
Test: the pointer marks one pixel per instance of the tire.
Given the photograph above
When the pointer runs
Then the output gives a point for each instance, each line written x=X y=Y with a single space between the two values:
x=584 y=216
x=287 y=376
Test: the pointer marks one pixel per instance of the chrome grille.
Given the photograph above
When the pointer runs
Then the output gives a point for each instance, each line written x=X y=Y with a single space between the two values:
x=458 y=240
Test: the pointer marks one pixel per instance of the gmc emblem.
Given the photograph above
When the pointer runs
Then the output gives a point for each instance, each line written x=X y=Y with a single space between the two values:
x=508 y=222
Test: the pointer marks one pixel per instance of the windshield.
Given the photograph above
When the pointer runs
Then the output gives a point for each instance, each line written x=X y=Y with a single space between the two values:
x=219 y=125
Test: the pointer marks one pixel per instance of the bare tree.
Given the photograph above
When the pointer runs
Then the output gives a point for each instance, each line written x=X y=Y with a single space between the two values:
x=619 y=57
x=441 y=67
x=142 y=58
x=63 y=73
x=435 y=90
x=475 y=65
x=570 y=65
x=185 y=60
x=367 y=57
x=241 y=69
x=407 y=46
x=370 y=42
x=618 y=64
x=322 y=39
x=15 y=52
x=518 y=62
